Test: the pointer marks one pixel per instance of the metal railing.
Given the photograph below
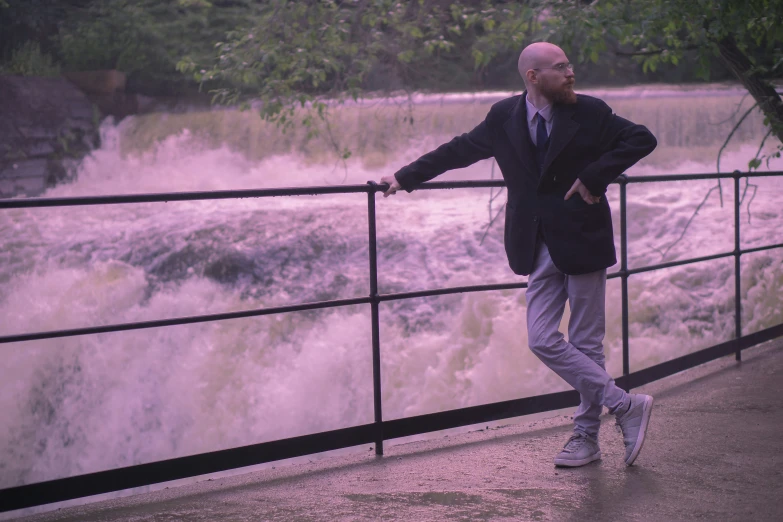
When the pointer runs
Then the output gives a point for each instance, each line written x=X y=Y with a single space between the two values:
x=57 y=490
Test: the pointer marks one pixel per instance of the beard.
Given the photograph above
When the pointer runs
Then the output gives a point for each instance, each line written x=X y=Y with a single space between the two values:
x=560 y=94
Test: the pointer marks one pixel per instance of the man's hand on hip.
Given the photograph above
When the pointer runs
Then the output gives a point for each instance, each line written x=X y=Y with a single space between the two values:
x=578 y=187
x=394 y=186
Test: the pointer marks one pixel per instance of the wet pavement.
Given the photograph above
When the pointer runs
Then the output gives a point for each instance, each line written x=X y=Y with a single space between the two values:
x=713 y=452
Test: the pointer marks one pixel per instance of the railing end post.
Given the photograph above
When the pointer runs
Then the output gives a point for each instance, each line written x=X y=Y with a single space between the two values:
x=375 y=187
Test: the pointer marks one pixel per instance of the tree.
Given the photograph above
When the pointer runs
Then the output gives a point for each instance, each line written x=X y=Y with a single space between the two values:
x=745 y=35
x=143 y=38
x=297 y=54
x=146 y=38
x=294 y=55
x=23 y=21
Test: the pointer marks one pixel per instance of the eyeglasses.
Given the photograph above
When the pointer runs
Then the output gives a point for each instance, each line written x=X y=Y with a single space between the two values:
x=561 y=67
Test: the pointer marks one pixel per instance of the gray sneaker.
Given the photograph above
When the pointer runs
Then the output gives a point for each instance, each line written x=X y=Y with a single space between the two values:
x=578 y=451
x=633 y=424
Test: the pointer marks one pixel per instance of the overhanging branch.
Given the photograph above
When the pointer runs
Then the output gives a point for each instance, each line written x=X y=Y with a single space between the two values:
x=653 y=53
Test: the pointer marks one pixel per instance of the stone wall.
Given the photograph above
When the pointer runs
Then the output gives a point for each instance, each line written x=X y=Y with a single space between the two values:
x=46 y=125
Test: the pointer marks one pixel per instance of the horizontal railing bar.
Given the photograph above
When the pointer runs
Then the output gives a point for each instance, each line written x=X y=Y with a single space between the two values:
x=34 y=336
x=769 y=174
x=650 y=268
x=554 y=401
x=318 y=190
x=675 y=177
x=345 y=302
x=760 y=249
x=693 y=260
x=452 y=290
x=183 y=196
x=691 y=360
x=443 y=420
x=182 y=320
x=90 y=484
x=694 y=177
x=473 y=183
x=435 y=185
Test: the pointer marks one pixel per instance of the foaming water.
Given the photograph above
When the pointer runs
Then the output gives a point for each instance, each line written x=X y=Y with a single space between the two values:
x=82 y=404
x=690 y=124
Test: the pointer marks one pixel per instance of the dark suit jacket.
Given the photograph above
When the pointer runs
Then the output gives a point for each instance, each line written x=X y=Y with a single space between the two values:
x=587 y=141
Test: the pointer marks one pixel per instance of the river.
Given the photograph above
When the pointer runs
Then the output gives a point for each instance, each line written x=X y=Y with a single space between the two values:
x=82 y=404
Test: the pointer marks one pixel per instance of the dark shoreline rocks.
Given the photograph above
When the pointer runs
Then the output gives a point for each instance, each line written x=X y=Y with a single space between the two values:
x=47 y=125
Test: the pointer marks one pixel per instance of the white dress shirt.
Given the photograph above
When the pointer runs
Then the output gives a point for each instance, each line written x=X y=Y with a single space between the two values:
x=532 y=121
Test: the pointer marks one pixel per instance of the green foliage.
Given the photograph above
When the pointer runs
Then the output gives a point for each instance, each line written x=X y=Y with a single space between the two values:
x=28 y=60
x=293 y=55
x=109 y=34
x=745 y=35
x=655 y=32
x=31 y=21
x=146 y=38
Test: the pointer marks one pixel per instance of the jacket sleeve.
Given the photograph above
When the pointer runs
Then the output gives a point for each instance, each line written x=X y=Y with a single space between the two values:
x=458 y=153
x=623 y=143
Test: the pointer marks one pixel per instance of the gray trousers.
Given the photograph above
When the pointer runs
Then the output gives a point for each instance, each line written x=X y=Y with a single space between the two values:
x=580 y=361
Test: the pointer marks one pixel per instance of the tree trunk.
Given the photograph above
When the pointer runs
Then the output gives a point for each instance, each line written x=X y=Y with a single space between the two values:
x=762 y=91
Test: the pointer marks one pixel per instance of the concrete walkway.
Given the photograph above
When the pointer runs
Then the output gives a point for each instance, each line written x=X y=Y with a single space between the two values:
x=713 y=452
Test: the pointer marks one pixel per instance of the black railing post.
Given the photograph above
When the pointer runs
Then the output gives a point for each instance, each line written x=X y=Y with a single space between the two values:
x=376 y=337
x=624 y=279
x=737 y=253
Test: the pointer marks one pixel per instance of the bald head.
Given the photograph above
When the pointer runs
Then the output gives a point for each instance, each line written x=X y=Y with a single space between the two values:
x=548 y=76
x=539 y=54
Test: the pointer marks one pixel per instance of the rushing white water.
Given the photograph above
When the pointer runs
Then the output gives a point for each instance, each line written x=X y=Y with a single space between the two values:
x=82 y=404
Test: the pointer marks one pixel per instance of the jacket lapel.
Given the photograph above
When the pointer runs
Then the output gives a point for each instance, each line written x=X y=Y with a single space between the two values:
x=563 y=130
x=517 y=130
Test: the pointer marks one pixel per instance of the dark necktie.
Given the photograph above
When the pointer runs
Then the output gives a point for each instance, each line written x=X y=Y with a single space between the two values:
x=542 y=143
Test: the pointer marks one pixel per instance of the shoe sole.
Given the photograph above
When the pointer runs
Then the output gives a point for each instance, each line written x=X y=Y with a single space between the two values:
x=563 y=463
x=646 y=413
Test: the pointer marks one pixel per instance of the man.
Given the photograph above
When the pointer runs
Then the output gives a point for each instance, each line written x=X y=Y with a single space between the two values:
x=558 y=152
